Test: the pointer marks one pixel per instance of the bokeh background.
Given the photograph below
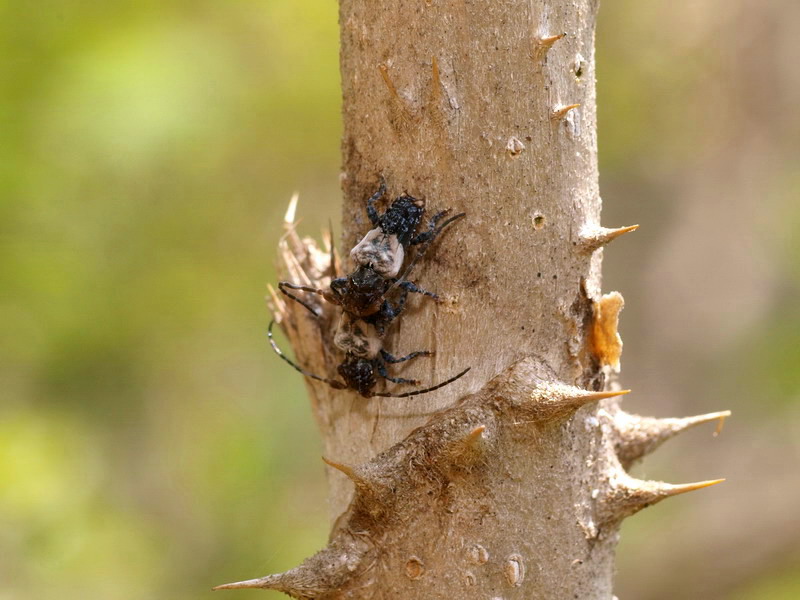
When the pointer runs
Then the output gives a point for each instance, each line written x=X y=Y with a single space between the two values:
x=151 y=445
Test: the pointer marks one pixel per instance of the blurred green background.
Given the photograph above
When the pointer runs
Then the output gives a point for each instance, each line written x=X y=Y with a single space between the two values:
x=151 y=445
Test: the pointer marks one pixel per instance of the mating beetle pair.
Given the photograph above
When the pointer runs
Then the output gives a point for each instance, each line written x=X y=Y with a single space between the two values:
x=367 y=309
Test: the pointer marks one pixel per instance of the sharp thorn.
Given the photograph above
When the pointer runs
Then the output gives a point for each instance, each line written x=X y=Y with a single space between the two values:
x=547 y=42
x=615 y=233
x=475 y=435
x=561 y=111
x=557 y=400
x=264 y=582
x=346 y=469
x=542 y=45
x=592 y=396
x=387 y=80
x=639 y=436
x=591 y=238
x=463 y=451
x=676 y=489
x=630 y=495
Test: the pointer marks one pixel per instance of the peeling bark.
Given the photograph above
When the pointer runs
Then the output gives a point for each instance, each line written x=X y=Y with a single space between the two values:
x=511 y=482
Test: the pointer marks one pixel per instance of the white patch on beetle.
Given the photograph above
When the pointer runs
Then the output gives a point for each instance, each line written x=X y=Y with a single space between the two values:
x=357 y=337
x=382 y=252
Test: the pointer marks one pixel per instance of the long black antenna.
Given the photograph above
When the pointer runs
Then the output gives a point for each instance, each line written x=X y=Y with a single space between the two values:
x=302 y=288
x=331 y=382
x=423 y=391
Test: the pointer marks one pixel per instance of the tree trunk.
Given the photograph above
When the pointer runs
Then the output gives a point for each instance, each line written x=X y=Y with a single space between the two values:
x=510 y=482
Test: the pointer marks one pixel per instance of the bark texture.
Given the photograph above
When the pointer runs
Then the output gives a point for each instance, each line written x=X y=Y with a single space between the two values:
x=511 y=482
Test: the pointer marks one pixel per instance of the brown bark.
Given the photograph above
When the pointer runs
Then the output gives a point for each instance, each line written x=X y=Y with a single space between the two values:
x=509 y=483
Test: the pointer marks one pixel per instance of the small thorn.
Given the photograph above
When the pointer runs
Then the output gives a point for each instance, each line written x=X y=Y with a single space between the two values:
x=436 y=93
x=546 y=43
x=362 y=483
x=346 y=469
x=388 y=80
x=463 y=451
x=591 y=238
x=475 y=435
x=435 y=76
x=288 y=219
x=561 y=112
x=542 y=45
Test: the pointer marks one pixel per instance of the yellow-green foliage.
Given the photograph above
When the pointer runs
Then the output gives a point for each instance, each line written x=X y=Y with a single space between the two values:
x=150 y=443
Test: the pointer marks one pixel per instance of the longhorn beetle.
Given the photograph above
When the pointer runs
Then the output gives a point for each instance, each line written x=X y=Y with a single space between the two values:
x=378 y=258
x=359 y=366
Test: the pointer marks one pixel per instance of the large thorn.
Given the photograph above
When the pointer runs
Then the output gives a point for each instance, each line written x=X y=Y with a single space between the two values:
x=630 y=495
x=328 y=570
x=551 y=401
x=299 y=582
x=639 y=436
x=593 y=237
x=267 y=582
